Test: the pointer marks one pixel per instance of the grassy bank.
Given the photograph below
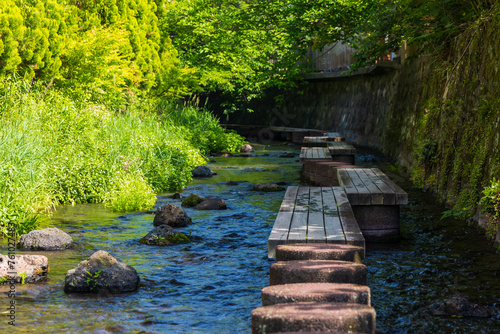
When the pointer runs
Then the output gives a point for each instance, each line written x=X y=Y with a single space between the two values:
x=56 y=150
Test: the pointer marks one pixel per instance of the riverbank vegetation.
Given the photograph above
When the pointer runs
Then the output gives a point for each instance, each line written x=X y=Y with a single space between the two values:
x=55 y=149
x=93 y=92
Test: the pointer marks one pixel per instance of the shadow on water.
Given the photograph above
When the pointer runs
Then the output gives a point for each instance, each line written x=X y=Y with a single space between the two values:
x=435 y=260
x=211 y=286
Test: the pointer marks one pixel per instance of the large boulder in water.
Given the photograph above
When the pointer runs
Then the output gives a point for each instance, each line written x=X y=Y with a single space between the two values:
x=171 y=215
x=46 y=239
x=27 y=268
x=101 y=273
x=212 y=204
x=202 y=171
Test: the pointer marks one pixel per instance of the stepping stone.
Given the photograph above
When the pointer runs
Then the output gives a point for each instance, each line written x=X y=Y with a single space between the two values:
x=317 y=271
x=339 y=252
x=314 y=317
x=316 y=292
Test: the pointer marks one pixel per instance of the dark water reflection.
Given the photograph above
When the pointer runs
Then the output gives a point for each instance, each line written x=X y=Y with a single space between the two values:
x=435 y=260
x=212 y=286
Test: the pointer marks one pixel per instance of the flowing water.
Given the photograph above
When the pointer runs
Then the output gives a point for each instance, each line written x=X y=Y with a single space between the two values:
x=212 y=285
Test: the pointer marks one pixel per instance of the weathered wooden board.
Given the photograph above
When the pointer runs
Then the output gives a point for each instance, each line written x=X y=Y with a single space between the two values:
x=341 y=148
x=369 y=186
x=315 y=215
x=353 y=235
x=279 y=234
x=315 y=141
x=314 y=153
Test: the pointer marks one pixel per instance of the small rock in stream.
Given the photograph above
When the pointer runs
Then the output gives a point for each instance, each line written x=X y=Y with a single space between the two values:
x=46 y=239
x=192 y=200
x=202 y=171
x=175 y=196
x=164 y=235
x=102 y=273
x=171 y=215
x=247 y=148
x=212 y=204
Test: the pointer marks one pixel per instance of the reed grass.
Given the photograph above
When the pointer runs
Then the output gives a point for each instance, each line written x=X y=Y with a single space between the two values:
x=56 y=150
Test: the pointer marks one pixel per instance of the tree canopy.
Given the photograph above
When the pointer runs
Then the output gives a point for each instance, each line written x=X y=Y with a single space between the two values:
x=174 y=48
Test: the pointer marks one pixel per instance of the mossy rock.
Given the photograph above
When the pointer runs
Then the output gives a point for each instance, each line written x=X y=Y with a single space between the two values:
x=192 y=200
x=163 y=236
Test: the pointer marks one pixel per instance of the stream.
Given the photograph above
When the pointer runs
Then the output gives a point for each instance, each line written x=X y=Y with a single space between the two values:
x=212 y=285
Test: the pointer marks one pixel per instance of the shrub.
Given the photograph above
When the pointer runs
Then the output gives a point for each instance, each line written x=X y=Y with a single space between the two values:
x=56 y=149
x=131 y=193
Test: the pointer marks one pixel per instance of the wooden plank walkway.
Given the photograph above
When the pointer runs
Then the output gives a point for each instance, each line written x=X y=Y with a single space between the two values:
x=370 y=186
x=375 y=201
x=315 y=215
x=315 y=141
x=341 y=148
x=307 y=153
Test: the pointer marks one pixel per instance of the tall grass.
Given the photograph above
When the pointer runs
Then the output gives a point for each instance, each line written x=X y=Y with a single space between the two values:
x=57 y=150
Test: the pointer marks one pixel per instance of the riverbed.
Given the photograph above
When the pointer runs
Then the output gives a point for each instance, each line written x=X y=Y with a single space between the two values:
x=212 y=285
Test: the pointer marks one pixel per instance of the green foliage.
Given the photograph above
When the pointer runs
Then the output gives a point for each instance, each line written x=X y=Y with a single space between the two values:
x=98 y=64
x=131 y=193
x=58 y=149
x=91 y=280
x=93 y=49
x=490 y=203
x=202 y=128
x=11 y=31
x=23 y=277
x=79 y=180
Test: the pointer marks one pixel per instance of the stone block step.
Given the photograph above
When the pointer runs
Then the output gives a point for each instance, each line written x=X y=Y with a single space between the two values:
x=316 y=292
x=317 y=271
x=314 y=317
x=338 y=252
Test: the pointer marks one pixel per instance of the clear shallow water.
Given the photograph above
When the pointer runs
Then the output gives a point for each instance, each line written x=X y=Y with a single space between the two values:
x=212 y=286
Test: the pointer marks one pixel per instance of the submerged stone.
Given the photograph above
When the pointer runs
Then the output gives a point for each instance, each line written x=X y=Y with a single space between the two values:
x=267 y=187
x=212 y=204
x=462 y=306
x=164 y=235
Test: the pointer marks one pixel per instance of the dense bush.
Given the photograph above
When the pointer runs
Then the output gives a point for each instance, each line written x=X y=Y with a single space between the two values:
x=55 y=149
